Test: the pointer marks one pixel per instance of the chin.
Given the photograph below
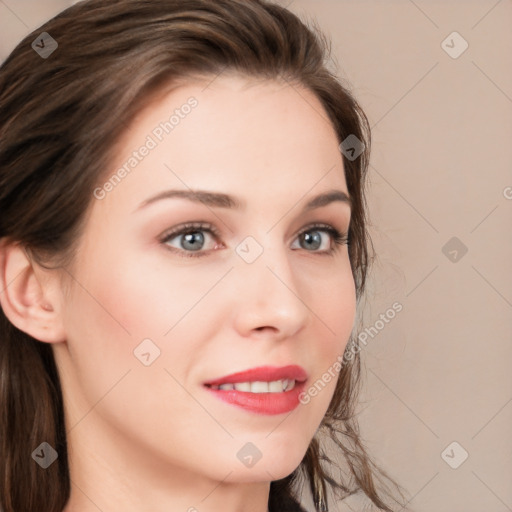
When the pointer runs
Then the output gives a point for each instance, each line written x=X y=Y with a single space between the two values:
x=275 y=466
x=261 y=473
x=271 y=463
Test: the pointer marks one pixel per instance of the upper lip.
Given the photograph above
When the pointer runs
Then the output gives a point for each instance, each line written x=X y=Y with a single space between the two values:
x=263 y=374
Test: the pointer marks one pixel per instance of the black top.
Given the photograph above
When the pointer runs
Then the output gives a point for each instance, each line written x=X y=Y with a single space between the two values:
x=287 y=504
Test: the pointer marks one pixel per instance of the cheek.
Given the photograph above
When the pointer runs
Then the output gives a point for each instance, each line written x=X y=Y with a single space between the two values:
x=121 y=304
x=335 y=306
x=114 y=310
x=335 y=311
x=138 y=301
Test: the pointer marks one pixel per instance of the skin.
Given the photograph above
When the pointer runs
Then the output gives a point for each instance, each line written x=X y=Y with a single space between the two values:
x=151 y=437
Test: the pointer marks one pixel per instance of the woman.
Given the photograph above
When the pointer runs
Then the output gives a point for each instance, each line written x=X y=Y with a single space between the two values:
x=183 y=244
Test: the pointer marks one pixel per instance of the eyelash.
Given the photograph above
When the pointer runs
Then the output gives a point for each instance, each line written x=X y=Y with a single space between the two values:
x=339 y=238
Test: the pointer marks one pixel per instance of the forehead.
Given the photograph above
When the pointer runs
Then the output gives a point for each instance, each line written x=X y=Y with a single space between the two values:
x=232 y=132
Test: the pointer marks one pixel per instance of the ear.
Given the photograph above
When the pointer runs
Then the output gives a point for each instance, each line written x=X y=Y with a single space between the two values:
x=29 y=295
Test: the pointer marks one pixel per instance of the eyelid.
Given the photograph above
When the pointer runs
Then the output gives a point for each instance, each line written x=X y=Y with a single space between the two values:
x=189 y=226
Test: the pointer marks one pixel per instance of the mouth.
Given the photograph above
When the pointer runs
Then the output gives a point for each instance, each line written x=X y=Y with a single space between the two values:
x=263 y=390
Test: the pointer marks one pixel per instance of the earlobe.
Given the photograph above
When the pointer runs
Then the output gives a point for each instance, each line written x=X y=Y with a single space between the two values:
x=25 y=295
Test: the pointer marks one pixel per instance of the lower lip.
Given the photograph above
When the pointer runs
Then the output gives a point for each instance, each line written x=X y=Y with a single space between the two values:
x=262 y=403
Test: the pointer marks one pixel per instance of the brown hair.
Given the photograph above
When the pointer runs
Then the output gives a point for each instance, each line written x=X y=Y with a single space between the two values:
x=60 y=119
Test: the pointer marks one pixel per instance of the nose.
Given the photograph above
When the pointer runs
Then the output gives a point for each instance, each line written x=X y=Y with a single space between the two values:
x=270 y=296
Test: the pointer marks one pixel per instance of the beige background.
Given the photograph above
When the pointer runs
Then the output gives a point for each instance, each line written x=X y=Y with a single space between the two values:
x=442 y=161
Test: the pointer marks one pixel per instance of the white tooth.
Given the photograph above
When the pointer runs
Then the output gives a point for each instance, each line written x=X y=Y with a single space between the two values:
x=290 y=386
x=276 y=386
x=259 y=387
x=243 y=386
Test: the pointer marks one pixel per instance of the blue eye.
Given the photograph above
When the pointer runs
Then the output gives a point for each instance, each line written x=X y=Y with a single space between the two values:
x=193 y=239
x=315 y=240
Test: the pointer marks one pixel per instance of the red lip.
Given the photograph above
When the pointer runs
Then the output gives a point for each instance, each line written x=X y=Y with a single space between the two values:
x=264 y=374
x=262 y=403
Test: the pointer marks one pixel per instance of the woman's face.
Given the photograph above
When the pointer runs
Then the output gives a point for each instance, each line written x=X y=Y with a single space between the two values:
x=153 y=315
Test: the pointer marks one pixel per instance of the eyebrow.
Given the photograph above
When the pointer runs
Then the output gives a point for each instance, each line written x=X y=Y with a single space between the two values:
x=220 y=200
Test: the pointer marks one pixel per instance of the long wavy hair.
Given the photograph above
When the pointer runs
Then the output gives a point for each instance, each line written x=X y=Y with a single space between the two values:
x=60 y=119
